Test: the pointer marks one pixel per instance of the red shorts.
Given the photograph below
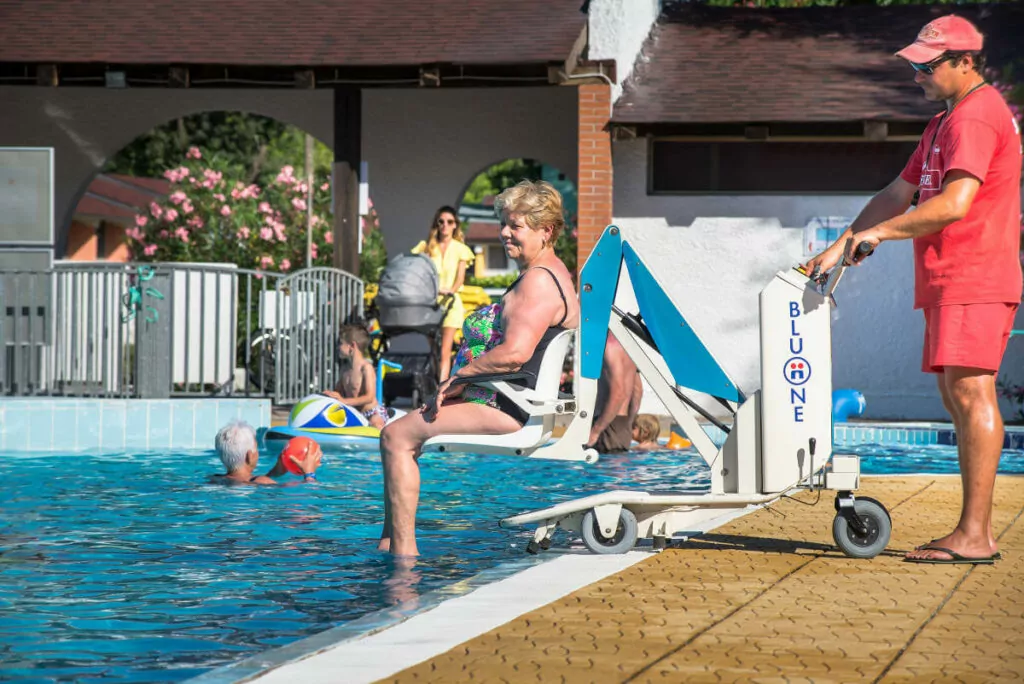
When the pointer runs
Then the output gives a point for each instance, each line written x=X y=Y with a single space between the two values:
x=968 y=335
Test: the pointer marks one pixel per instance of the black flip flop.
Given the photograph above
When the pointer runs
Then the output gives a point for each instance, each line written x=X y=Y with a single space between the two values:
x=954 y=557
x=995 y=556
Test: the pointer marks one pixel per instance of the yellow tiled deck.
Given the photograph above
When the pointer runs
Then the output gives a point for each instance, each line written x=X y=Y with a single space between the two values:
x=769 y=598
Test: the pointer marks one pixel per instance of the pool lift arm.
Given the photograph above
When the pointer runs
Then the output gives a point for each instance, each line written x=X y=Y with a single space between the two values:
x=780 y=437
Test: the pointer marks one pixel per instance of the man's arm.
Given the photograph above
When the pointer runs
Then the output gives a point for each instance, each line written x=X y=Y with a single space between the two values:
x=620 y=385
x=959 y=189
x=636 y=396
x=892 y=201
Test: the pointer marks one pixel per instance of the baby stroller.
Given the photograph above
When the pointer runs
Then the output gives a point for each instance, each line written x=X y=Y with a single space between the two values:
x=409 y=315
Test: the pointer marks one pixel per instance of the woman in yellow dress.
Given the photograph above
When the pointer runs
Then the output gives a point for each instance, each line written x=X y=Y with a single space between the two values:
x=445 y=247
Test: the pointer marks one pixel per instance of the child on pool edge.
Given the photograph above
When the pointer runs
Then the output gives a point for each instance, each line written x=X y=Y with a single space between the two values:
x=357 y=386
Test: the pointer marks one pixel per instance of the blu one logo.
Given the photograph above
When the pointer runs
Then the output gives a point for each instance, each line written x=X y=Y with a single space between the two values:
x=797 y=371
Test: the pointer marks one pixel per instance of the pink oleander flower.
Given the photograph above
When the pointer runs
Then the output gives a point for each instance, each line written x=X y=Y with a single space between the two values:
x=225 y=210
x=133 y=233
x=150 y=250
x=170 y=215
x=252 y=191
x=286 y=176
x=195 y=223
x=141 y=220
x=219 y=197
x=243 y=233
x=329 y=237
x=299 y=203
x=325 y=186
x=265 y=208
x=182 y=234
x=279 y=232
x=186 y=207
x=312 y=250
x=301 y=187
x=155 y=210
x=285 y=264
x=211 y=178
x=164 y=234
x=314 y=221
x=266 y=262
x=236 y=194
x=266 y=234
x=177 y=197
x=194 y=153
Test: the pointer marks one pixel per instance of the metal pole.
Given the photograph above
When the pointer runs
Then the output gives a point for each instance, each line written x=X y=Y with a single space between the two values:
x=309 y=201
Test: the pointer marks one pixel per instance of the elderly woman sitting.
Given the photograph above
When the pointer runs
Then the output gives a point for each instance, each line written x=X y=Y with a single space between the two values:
x=505 y=337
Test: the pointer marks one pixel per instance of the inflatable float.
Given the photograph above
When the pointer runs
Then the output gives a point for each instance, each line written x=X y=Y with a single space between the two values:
x=329 y=422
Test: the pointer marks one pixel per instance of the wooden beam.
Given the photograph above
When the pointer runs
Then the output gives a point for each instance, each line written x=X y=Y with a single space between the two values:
x=305 y=79
x=177 y=77
x=348 y=105
x=46 y=75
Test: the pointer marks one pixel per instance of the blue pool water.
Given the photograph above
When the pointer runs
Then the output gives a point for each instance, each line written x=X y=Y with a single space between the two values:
x=132 y=568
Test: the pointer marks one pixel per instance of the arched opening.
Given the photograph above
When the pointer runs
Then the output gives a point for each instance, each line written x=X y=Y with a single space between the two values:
x=221 y=186
x=493 y=270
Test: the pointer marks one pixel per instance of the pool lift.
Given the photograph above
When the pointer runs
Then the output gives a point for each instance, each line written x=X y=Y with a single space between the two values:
x=780 y=437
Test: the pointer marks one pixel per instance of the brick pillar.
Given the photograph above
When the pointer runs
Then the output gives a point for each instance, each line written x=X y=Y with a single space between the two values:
x=594 y=163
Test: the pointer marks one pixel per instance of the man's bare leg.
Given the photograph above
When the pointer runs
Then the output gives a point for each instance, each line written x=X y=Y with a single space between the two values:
x=970 y=393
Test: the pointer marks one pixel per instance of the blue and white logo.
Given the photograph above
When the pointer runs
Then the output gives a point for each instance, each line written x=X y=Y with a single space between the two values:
x=797 y=370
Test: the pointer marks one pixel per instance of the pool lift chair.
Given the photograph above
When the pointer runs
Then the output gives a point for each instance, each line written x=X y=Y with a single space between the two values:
x=780 y=438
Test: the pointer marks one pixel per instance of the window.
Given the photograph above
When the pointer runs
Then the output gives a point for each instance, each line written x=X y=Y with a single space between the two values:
x=775 y=167
x=497 y=260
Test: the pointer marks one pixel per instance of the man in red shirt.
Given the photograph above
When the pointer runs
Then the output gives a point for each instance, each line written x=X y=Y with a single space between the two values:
x=965 y=179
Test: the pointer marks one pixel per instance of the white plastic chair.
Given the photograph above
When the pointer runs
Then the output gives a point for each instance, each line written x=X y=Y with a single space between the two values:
x=541 y=404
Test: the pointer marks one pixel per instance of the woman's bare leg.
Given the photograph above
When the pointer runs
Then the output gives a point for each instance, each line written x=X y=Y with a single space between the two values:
x=445 y=360
x=400 y=444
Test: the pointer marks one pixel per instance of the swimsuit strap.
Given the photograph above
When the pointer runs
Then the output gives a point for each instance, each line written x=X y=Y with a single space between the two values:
x=561 y=293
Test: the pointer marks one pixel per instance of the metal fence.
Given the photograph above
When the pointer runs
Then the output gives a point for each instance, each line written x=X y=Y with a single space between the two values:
x=171 y=330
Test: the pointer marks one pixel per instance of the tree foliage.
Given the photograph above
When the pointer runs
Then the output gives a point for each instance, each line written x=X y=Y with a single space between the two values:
x=249 y=147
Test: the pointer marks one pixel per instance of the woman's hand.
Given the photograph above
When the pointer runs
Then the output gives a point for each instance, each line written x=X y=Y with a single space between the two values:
x=444 y=391
x=333 y=395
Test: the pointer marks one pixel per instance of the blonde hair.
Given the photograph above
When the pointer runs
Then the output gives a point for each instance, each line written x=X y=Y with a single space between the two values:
x=648 y=426
x=538 y=202
x=435 y=230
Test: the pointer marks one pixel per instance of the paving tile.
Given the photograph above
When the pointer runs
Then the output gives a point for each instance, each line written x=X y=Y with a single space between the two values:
x=767 y=598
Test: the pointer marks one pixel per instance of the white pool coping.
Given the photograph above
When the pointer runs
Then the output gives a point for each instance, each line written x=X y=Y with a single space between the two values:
x=386 y=651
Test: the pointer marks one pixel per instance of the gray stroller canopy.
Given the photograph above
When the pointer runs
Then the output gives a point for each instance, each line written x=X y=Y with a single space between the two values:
x=407 y=295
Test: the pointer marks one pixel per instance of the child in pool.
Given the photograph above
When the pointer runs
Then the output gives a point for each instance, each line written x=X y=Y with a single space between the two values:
x=357 y=386
x=645 y=432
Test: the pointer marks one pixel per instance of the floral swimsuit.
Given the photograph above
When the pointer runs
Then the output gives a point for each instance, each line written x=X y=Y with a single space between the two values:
x=481 y=332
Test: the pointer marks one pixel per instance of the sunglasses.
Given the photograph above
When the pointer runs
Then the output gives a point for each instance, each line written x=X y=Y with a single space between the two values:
x=929 y=68
x=446 y=222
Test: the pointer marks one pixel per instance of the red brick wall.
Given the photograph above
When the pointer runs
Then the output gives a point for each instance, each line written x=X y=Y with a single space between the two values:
x=594 y=153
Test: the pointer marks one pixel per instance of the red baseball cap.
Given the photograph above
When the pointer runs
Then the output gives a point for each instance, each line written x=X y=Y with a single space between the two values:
x=945 y=33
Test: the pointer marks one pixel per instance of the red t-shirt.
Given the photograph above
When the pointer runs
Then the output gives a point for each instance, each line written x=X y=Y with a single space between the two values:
x=974 y=260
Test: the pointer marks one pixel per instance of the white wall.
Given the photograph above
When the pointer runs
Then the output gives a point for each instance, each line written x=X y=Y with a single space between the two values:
x=425 y=146
x=715 y=268
x=86 y=126
x=617 y=30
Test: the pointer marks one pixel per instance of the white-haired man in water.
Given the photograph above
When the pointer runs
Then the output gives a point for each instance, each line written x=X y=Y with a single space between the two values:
x=237 y=449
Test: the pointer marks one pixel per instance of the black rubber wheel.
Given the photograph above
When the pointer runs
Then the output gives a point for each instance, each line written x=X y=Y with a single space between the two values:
x=621 y=541
x=879 y=529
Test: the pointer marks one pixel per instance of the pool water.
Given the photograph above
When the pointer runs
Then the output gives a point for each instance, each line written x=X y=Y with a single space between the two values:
x=133 y=568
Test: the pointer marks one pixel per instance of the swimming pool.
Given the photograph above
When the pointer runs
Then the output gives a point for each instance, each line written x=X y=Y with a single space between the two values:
x=132 y=568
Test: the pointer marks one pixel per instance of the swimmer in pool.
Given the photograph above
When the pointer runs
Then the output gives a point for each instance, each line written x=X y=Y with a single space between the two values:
x=237 y=448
